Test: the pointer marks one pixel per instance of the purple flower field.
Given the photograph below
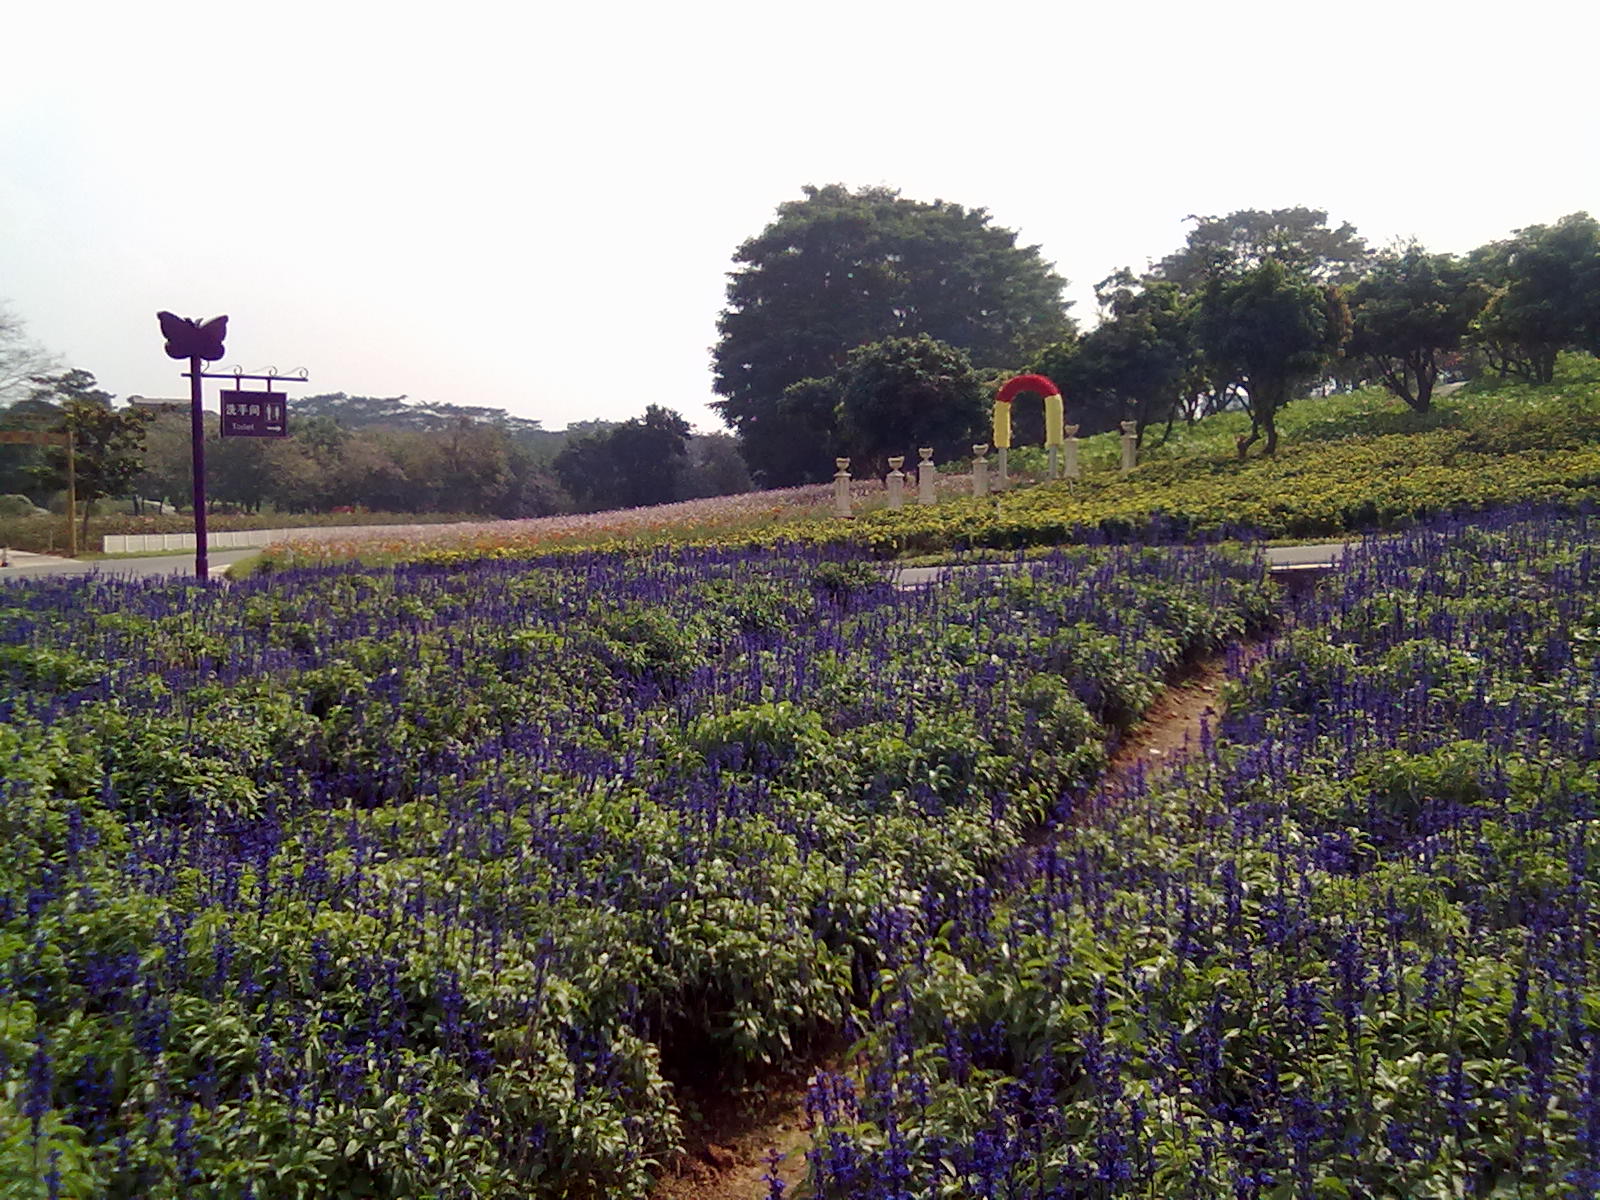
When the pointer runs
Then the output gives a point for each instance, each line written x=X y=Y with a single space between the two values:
x=1349 y=951
x=430 y=882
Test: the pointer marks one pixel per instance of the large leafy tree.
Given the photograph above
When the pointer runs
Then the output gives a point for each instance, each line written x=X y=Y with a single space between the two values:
x=166 y=468
x=1133 y=365
x=1269 y=329
x=240 y=471
x=1546 y=297
x=1409 y=311
x=635 y=463
x=841 y=269
x=107 y=443
x=1297 y=237
x=902 y=393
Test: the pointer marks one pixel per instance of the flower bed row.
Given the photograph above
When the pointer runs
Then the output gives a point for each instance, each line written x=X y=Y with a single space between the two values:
x=1358 y=483
x=430 y=881
x=1351 y=951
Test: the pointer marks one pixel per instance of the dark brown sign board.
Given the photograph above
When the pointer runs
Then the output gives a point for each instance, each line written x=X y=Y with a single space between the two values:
x=25 y=437
x=255 y=414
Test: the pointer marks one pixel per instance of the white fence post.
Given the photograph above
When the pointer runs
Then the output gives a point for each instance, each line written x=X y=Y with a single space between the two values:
x=897 y=483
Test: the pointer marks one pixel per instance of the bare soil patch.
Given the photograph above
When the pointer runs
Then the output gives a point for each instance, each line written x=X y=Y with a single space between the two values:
x=730 y=1133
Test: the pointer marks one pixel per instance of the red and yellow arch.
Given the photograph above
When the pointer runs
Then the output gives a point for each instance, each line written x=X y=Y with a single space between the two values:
x=1054 y=414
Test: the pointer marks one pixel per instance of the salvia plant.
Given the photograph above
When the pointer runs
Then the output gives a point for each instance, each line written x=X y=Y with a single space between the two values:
x=432 y=881
x=1349 y=950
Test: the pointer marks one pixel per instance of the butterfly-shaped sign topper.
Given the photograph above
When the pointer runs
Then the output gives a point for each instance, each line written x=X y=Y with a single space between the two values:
x=191 y=339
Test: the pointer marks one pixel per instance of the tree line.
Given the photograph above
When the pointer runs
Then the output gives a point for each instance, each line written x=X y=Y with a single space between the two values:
x=862 y=323
x=353 y=453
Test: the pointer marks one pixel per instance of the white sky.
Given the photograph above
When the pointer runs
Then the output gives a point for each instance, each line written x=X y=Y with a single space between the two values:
x=533 y=206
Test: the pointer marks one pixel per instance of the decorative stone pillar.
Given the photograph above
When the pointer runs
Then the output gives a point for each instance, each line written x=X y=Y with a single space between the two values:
x=1130 y=445
x=1069 y=452
x=926 y=474
x=1002 y=479
x=980 y=470
x=897 y=483
x=841 y=488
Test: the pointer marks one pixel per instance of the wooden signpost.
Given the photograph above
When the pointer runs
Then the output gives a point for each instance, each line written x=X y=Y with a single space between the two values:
x=29 y=437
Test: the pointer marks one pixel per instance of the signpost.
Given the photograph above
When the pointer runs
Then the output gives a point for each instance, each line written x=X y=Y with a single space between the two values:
x=201 y=342
x=255 y=414
x=28 y=437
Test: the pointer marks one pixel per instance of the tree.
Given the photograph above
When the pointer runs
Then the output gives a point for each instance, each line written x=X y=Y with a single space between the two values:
x=1546 y=296
x=841 y=269
x=532 y=490
x=715 y=468
x=21 y=359
x=166 y=466
x=240 y=471
x=1297 y=237
x=1133 y=365
x=1410 y=310
x=474 y=468
x=1268 y=328
x=1057 y=363
x=22 y=467
x=107 y=443
x=898 y=394
x=636 y=463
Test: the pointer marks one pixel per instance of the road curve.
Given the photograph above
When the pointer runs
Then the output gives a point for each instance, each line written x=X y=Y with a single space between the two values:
x=1312 y=556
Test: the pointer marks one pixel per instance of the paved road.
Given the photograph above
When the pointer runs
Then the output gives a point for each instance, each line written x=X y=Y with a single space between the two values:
x=1309 y=557
x=1313 y=556
x=33 y=566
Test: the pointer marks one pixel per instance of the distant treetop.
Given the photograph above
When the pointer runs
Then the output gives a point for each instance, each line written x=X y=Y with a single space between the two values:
x=840 y=269
x=1297 y=237
x=396 y=412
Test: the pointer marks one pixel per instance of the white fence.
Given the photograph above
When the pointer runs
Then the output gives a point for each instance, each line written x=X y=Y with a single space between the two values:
x=144 y=543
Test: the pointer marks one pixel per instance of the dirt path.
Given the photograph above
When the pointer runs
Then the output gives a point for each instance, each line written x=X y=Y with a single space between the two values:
x=727 y=1146
x=1170 y=729
x=725 y=1156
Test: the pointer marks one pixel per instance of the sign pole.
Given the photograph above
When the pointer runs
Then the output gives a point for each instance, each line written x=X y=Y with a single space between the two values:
x=201 y=342
x=197 y=438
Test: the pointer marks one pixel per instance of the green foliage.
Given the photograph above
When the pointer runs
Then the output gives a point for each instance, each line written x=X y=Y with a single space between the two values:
x=1546 y=296
x=107 y=443
x=1352 y=973
x=841 y=269
x=1241 y=241
x=1268 y=329
x=842 y=580
x=399 y=413
x=903 y=393
x=1351 y=462
x=1409 y=311
x=638 y=462
x=1133 y=365
x=492 y=862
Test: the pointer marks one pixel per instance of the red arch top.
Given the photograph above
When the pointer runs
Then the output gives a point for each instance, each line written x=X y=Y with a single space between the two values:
x=1026 y=383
